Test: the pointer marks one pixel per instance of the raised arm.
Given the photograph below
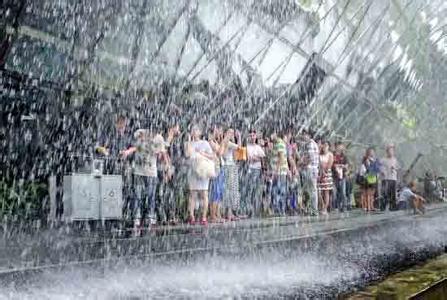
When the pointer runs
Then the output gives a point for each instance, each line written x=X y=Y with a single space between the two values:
x=225 y=145
x=292 y=164
x=331 y=161
x=215 y=146
x=238 y=138
x=188 y=149
x=208 y=152
x=172 y=132
x=232 y=145
x=102 y=150
x=128 y=151
x=211 y=156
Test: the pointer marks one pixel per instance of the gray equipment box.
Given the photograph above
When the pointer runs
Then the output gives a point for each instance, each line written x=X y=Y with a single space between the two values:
x=111 y=204
x=92 y=197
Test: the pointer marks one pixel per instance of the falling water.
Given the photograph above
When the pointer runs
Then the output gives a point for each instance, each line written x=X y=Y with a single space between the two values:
x=362 y=72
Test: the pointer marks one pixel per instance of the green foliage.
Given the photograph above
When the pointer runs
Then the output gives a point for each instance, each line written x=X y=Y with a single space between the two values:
x=27 y=201
x=305 y=3
x=406 y=284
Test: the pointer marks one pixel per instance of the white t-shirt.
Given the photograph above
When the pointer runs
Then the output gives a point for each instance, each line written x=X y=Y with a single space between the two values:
x=229 y=153
x=146 y=156
x=254 y=150
x=201 y=146
x=389 y=168
x=406 y=195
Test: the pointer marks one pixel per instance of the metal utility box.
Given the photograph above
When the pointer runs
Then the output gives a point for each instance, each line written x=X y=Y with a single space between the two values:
x=92 y=197
x=111 y=204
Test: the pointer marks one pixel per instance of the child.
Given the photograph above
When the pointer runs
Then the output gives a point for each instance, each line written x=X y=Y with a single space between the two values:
x=408 y=198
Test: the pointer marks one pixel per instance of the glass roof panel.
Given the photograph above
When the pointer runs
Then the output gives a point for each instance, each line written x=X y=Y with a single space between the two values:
x=254 y=41
x=209 y=72
x=280 y=53
x=214 y=13
x=30 y=56
x=191 y=55
x=391 y=51
x=296 y=31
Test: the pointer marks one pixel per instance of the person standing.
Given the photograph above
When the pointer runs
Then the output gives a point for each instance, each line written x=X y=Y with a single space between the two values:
x=340 y=170
x=368 y=172
x=197 y=149
x=111 y=146
x=267 y=202
x=389 y=169
x=311 y=165
x=292 y=183
x=280 y=172
x=231 y=196
x=255 y=155
x=145 y=150
x=173 y=174
x=218 y=183
x=350 y=187
x=326 y=181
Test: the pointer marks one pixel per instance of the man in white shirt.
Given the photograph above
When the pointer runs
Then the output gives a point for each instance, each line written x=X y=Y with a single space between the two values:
x=388 y=170
x=255 y=154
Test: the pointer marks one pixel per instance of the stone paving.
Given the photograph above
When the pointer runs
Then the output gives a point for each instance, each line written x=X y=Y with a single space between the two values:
x=65 y=246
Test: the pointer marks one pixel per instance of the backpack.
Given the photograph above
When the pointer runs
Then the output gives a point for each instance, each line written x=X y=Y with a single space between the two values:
x=371 y=175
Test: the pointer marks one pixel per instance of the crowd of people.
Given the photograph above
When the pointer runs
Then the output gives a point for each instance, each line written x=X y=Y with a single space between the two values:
x=225 y=175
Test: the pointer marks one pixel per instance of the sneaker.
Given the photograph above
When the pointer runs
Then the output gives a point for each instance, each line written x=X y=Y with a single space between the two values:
x=152 y=221
x=204 y=222
x=173 y=222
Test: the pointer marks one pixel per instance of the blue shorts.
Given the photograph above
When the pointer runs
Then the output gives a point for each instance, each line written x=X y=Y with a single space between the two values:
x=217 y=187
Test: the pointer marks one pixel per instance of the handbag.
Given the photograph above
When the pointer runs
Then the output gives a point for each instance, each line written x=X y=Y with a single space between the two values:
x=204 y=168
x=371 y=179
x=359 y=179
x=240 y=154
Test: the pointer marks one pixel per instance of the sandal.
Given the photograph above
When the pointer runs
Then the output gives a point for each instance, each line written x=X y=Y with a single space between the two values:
x=191 y=221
